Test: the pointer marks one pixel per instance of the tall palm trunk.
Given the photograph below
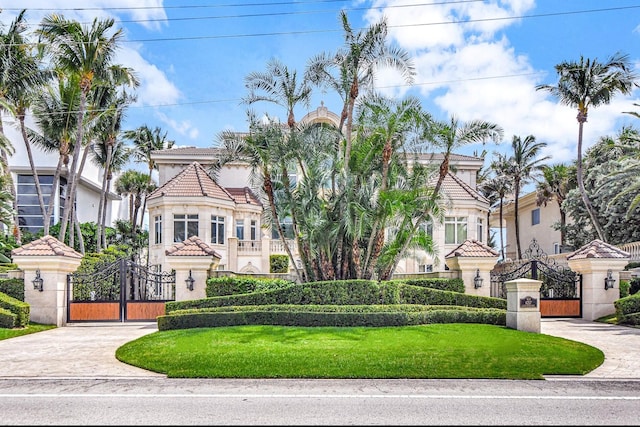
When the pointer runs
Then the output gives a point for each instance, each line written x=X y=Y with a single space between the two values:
x=517 y=219
x=582 y=117
x=53 y=194
x=103 y=197
x=36 y=180
x=73 y=181
x=12 y=189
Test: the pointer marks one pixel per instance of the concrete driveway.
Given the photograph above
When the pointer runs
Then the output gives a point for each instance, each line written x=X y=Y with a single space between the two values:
x=87 y=350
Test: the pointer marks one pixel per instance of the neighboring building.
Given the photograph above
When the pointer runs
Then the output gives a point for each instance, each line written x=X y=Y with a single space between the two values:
x=88 y=191
x=534 y=222
x=227 y=214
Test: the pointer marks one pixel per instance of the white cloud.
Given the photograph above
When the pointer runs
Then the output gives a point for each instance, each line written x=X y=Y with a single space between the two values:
x=472 y=71
x=183 y=127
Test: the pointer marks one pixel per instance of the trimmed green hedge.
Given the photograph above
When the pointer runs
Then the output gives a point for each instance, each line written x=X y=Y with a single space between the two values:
x=325 y=315
x=337 y=303
x=628 y=310
x=219 y=286
x=346 y=292
x=20 y=308
x=7 y=319
x=13 y=287
x=453 y=285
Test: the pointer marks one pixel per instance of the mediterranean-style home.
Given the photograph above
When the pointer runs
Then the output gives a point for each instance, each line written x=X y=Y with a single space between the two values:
x=536 y=222
x=225 y=213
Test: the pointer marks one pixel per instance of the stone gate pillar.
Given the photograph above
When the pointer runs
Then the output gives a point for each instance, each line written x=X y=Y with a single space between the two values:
x=594 y=261
x=192 y=260
x=523 y=304
x=46 y=262
x=474 y=260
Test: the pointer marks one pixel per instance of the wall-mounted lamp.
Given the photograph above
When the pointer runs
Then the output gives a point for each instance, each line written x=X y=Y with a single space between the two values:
x=37 y=282
x=189 y=281
x=609 y=280
x=477 y=280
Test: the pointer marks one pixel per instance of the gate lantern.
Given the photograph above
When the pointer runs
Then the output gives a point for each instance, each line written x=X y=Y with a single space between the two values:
x=477 y=280
x=38 y=281
x=609 y=280
x=189 y=281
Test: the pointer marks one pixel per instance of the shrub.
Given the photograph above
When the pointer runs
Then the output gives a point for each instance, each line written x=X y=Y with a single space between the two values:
x=634 y=286
x=278 y=263
x=624 y=288
x=7 y=319
x=627 y=309
x=19 y=308
x=453 y=285
x=229 y=285
x=13 y=287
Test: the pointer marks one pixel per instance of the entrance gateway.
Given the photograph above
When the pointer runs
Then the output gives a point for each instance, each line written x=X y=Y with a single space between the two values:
x=561 y=289
x=121 y=291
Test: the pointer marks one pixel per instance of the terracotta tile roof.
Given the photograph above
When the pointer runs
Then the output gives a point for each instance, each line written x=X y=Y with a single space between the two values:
x=598 y=249
x=472 y=248
x=188 y=151
x=457 y=189
x=244 y=195
x=193 y=246
x=46 y=246
x=192 y=181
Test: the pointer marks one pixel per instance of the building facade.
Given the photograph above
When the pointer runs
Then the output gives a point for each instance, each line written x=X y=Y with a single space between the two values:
x=226 y=213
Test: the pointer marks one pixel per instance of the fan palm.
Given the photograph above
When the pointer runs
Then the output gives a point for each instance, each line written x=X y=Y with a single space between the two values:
x=555 y=184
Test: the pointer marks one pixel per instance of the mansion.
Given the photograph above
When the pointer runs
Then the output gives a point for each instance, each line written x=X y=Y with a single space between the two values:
x=225 y=215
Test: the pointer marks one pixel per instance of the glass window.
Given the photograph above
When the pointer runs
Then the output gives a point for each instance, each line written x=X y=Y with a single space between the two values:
x=535 y=216
x=455 y=229
x=287 y=228
x=254 y=230
x=217 y=229
x=29 y=212
x=425 y=268
x=157 y=229
x=184 y=226
x=240 y=229
x=427 y=228
x=480 y=230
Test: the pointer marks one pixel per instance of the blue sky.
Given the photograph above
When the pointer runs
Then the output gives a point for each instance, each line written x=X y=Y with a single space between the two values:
x=474 y=59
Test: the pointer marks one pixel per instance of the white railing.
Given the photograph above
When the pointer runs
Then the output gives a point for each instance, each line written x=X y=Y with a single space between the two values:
x=249 y=246
x=634 y=250
x=277 y=247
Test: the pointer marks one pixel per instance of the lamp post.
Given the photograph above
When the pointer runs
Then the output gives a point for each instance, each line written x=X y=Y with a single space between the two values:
x=477 y=280
x=38 y=281
x=189 y=281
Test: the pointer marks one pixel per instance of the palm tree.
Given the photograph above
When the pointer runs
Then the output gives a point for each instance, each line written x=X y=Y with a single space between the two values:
x=523 y=166
x=145 y=141
x=497 y=188
x=54 y=112
x=452 y=135
x=134 y=185
x=280 y=85
x=22 y=77
x=555 y=184
x=356 y=63
x=587 y=83
x=86 y=52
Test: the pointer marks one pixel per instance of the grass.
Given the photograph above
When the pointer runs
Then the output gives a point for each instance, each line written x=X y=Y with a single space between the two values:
x=31 y=328
x=426 y=351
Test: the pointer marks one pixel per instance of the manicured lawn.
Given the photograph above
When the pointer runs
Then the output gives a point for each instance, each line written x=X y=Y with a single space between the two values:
x=30 y=329
x=426 y=351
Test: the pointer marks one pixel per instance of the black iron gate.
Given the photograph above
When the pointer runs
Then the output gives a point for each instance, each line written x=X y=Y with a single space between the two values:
x=120 y=291
x=561 y=289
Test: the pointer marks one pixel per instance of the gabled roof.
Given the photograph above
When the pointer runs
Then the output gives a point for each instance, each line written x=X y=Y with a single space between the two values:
x=193 y=181
x=193 y=246
x=46 y=246
x=472 y=248
x=598 y=249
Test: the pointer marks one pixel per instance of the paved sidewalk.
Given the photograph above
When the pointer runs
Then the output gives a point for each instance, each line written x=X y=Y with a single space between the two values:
x=620 y=345
x=87 y=350
x=79 y=350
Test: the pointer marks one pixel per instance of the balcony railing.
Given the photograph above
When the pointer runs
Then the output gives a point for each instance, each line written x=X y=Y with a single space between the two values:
x=249 y=246
x=277 y=247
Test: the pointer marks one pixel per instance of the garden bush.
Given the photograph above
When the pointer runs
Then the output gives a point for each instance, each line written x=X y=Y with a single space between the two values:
x=19 y=308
